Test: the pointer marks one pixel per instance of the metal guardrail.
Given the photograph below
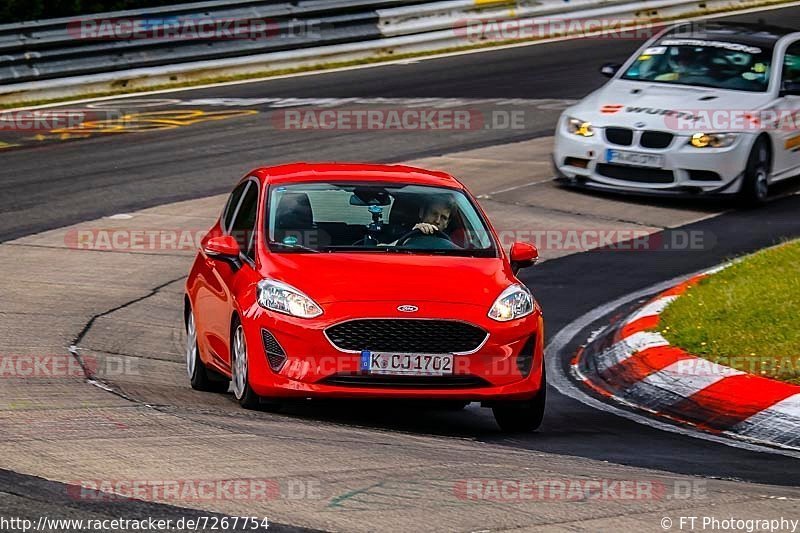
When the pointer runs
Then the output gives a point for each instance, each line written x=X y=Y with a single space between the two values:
x=49 y=49
x=46 y=62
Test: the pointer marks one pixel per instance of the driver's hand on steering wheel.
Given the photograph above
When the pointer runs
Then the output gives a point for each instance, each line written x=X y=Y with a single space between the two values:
x=427 y=229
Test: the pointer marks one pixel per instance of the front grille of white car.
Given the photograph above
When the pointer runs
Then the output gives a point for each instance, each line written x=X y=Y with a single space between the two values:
x=635 y=174
x=657 y=140
x=620 y=136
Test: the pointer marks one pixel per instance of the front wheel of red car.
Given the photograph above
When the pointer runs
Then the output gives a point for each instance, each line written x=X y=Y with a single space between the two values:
x=522 y=416
x=239 y=370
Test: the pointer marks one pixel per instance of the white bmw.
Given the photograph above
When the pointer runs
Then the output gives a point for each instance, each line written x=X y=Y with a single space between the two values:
x=697 y=109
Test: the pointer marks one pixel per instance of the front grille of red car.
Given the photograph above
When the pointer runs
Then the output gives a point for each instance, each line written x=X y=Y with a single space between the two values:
x=406 y=382
x=407 y=336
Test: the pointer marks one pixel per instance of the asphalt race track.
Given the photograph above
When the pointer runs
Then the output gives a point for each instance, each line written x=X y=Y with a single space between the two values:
x=55 y=181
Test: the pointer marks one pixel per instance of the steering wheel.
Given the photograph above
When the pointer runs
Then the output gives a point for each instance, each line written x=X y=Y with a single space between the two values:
x=416 y=233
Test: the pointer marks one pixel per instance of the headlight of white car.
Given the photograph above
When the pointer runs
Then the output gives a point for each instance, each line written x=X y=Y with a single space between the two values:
x=579 y=127
x=514 y=302
x=712 y=140
x=277 y=296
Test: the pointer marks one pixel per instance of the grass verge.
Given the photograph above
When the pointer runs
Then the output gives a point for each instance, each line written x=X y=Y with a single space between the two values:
x=746 y=316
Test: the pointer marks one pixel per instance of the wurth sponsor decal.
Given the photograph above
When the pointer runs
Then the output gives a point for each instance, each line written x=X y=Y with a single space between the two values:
x=670 y=113
x=611 y=109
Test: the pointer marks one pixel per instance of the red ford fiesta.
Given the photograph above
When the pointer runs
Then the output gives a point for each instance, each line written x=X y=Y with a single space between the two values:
x=363 y=281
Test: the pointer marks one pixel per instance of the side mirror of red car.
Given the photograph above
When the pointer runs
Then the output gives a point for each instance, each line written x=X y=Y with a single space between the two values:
x=224 y=247
x=523 y=255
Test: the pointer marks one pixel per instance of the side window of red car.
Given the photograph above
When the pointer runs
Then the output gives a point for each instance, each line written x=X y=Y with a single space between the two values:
x=230 y=207
x=244 y=222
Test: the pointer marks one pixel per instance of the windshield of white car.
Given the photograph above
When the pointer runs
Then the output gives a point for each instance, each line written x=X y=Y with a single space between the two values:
x=704 y=63
x=375 y=218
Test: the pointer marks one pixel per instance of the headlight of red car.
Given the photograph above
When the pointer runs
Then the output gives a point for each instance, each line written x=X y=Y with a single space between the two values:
x=513 y=303
x=283 y=298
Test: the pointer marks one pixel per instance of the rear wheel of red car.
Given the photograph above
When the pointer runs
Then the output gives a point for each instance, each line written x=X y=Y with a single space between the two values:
x=239 y=370
x=522 y=416
x=200 y=377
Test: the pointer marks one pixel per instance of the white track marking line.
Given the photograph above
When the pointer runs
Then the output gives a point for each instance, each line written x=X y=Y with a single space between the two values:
x=515 y=187
x=398 y=62
x=677 y=382
x=565 y=386
x=626 y=348
x=653 y=308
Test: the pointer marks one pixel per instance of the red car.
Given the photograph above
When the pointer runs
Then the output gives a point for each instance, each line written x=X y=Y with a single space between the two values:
x=363 y=281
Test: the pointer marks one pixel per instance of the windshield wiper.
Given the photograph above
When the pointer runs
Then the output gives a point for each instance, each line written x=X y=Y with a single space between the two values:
x=350 y=248
x=293 y=247
x=412 y=251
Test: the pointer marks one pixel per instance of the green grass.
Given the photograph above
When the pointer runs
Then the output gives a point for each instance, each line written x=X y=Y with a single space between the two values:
x=746 y=316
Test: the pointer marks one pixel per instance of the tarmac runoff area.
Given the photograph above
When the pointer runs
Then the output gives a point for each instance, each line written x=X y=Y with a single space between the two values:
x=122 y=307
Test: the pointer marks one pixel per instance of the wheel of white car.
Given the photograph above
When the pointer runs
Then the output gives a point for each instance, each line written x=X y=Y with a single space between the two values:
x=755 y=185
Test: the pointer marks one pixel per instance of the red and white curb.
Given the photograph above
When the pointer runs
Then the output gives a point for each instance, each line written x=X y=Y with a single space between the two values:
x=635 y=365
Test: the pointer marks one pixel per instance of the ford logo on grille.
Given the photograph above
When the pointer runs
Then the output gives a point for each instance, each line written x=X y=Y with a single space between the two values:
x=408 y=308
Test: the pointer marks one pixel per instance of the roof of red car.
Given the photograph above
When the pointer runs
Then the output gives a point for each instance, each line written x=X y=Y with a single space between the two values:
x=305 y=172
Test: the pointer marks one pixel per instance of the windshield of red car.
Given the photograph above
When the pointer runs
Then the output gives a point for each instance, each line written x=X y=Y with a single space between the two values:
x=370 y=217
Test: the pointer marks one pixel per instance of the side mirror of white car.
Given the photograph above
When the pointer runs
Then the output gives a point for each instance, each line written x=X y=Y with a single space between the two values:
x=609 y=69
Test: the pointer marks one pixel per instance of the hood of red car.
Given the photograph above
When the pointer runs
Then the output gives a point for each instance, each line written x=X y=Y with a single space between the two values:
x=406 y=279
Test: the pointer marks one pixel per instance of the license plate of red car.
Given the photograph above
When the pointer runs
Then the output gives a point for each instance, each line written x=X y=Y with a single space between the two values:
x=407 y=364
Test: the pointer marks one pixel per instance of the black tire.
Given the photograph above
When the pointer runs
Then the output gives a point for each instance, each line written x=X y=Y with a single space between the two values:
x=200 y=377
x=755 y=185
x=522 y=416
x=242 y=391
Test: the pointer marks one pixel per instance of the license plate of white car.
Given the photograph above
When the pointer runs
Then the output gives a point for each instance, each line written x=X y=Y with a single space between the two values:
x=638 y=159
x=407 y=364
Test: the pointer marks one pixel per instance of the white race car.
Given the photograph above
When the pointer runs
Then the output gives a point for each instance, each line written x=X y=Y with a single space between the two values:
x=708 y=108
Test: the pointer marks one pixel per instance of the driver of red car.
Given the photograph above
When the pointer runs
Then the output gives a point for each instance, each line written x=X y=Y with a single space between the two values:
x=434 y=216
